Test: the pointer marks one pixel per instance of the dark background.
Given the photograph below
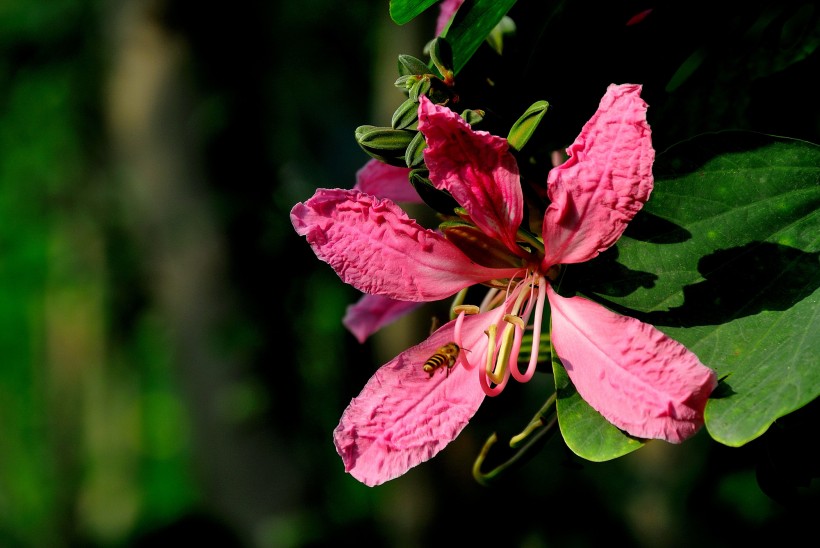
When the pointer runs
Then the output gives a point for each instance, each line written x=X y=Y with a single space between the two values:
x=173 y=357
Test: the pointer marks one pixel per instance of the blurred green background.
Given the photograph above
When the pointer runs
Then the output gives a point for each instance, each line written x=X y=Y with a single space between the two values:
x=173 y=362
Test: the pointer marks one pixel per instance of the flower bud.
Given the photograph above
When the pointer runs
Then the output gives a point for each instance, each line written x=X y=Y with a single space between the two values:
x=385 y=143
x=406 y=115
x=525 y=126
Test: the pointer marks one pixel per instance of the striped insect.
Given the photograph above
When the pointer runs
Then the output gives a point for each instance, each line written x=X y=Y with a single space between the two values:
x=445 y=356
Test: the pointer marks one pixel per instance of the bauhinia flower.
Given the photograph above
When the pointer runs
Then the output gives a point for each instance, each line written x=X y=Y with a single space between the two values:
x=639 y=379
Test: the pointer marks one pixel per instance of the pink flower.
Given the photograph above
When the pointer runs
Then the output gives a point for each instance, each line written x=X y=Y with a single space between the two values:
x=638 y=378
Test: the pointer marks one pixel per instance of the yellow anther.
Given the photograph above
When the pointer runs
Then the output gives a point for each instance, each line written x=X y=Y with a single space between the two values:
x=513 y=319
x=468 y=309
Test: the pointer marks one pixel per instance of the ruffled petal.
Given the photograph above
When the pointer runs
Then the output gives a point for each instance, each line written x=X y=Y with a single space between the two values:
x=375 y=247
x=604 y=182
x=403 y=416
x=639 y=379
x=476 y=168
x=386 y=181
x=372 y=312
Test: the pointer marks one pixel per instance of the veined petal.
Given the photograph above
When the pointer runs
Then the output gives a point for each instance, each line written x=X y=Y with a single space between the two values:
x=604 y=182
x=639 y=379
x=476 y=168
x=375 y=247
x=386 y=181
x=404 y=417
x=372 y=312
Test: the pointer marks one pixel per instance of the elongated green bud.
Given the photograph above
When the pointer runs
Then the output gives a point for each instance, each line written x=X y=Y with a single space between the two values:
x=385 y=143
x=406 y=115
x=414 y=155
x=525 y=126
x=421 y=87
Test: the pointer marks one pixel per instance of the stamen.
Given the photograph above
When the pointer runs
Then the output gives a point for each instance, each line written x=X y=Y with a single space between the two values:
x=504 y=352
x=462 y=311
x=513 y=319
x=536 y=336
x=466 y=309
x=459 y=298
x=485 y=386
x=491 y=332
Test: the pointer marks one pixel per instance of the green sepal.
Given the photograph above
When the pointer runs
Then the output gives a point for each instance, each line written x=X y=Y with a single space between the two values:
x=384 y=143
x=472 y=117
x=439 y=200
x=409 y=65
x=479 y=247
x=441 y=53
x=525 y=126
x=406 y=115
x=414 y=155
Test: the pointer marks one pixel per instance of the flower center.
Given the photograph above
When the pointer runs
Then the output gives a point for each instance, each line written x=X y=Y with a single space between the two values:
x=514 y=308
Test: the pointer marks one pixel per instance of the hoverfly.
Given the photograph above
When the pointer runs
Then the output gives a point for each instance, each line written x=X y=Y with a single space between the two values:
x=444 y=356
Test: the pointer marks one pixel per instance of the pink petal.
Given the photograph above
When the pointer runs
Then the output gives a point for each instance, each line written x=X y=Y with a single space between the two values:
x=404 y=417
x=375 y=247
x=476 y=168
x=373 y=312
x=639 y=379
x=605 y=181
x=447 y=9
x=386 y=181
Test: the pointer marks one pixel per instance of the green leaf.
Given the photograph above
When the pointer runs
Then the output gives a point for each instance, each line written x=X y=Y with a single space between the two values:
x=471 y=25
x=724 y=258
x=404 y=11
x=586 y=432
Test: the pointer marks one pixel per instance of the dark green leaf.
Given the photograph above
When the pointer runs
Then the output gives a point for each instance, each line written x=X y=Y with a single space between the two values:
x=471 y=24
x=404 y=11
x=731 y=237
